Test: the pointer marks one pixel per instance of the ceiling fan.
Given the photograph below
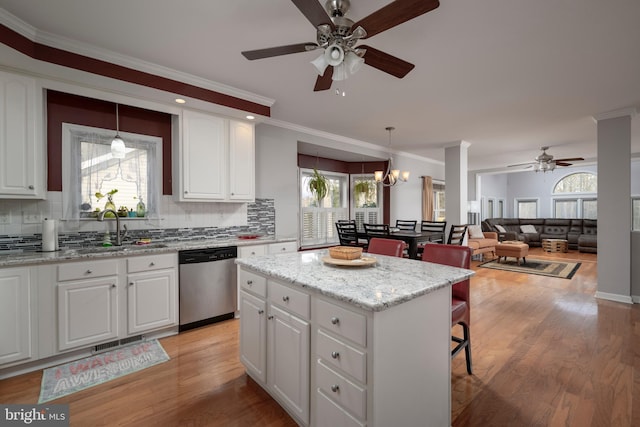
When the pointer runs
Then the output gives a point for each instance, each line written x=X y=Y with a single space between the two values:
x=338 y=36
x=545 y=162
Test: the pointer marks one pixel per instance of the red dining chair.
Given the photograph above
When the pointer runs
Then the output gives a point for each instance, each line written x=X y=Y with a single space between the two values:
x=391 y=247
x=456 y=256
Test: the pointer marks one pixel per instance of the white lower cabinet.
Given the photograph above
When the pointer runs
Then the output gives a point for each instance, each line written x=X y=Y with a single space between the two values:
x=288 y=355
x=16 y=315
x=152 y=293
x=275 y=340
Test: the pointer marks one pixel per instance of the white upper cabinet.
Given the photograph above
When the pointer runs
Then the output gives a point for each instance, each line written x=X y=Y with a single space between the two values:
x=215 y=159
x=22 y=172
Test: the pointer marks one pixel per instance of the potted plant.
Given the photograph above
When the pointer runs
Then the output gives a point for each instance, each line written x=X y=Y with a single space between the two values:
x=318 y=186
x=109 y=204
x=362 y=187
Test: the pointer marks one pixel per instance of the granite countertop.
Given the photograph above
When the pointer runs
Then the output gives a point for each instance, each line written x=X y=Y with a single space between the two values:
x=391 y=281
x=26 y=257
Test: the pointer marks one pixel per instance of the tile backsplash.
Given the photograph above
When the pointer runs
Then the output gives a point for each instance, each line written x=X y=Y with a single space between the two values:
x=21 y=222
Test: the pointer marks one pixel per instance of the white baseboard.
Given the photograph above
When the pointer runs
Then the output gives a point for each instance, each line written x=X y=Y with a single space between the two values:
x=615 y=297
x=635 y=299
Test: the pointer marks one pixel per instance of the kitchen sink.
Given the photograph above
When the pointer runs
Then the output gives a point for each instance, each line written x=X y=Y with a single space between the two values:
x=109 y=249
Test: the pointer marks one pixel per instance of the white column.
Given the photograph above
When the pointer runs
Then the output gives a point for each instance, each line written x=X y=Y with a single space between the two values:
x=455 y=176
x=614 y=205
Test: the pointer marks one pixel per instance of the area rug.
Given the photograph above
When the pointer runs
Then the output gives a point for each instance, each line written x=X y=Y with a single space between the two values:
x=563 y=270
x=81 y=374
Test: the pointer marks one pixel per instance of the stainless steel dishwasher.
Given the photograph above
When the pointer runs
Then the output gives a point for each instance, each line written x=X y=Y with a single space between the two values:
x=207 y=286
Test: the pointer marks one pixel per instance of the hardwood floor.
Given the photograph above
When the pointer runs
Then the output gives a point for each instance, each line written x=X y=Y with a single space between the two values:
x=545 y=353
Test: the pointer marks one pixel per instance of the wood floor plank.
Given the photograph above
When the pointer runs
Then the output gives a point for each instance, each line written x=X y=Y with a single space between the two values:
x=545 y=353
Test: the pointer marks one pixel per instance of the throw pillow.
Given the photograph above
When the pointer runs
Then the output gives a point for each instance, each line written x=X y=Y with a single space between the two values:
x=475 y=232
x=528 y=229
x=500 y=228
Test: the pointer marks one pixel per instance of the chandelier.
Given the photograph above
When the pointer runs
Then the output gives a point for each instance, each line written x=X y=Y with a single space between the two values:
x=391 y=176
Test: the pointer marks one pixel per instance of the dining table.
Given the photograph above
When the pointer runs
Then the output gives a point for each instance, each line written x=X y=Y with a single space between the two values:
x=412 y=238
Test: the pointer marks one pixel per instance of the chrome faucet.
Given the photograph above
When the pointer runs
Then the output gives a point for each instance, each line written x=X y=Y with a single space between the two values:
x=119 y=238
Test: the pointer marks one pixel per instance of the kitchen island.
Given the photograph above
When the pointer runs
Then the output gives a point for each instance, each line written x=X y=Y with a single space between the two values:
x=349 y=345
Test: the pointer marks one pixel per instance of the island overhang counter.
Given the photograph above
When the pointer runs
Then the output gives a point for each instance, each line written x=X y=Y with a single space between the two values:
x=349 y=346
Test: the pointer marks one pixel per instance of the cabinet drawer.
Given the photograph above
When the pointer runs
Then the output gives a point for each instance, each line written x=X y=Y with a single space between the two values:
x=295 y=301
x=341 y=321
x=347 y=394
x=277 y=248
x=340 y=355
x=151 y=262
x=249 y=251
x=253 y=283
x=87 y=269
x=329 y=414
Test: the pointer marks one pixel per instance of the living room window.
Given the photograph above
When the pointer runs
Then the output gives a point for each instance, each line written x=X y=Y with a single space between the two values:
x=318 y=218
x=583 y=186
x=526 y=208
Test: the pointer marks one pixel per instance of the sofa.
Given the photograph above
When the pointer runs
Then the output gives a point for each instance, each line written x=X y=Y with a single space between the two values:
x=581 y=234
x=482 y=245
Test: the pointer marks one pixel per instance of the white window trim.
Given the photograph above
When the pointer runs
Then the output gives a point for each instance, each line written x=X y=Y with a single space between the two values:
x=518 y=200
x=68 y=129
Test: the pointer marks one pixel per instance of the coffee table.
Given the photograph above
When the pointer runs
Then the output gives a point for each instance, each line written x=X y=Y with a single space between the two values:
x=555 y=245
x=512 y=248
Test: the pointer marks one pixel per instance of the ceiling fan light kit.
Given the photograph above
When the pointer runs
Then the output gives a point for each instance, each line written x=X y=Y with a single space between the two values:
x=338 y=36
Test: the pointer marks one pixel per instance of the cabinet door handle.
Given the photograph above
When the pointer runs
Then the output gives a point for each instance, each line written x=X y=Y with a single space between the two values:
x=151 y=264
x=131 y=283
x=250 y=282
x=335 y=388
x=260 y=311
x=283 y=249
x=31 y=187
x=335 y=320
x=270 y=317
x=186 y=192
x=285 y=298
x=113 y=285
x=335 y=354
x=89 y=272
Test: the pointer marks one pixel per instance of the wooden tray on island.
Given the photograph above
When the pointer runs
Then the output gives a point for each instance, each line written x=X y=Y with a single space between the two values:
x=358 y=262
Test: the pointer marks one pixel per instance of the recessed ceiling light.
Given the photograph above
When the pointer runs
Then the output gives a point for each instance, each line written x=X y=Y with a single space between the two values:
x=250 y=117
x=180 y=101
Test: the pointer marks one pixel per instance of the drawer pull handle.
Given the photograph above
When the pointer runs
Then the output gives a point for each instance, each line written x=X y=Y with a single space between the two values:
x=270 y=317
x=89 y=271
x=151 y=264
x=260 y=311
x=285 y=298
x=335 y=321
x=249 y=282
x=283 y=249
x=335 y=354
x=31 y=187
x=335 y=388
x=113 y=285
x=253 y=253
x=130 y=283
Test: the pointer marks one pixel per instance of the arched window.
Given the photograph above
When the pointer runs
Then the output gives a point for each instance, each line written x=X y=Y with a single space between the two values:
x=580 y=182
x=575 y=196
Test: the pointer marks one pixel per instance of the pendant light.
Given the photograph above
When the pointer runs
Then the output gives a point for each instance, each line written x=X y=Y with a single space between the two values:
x=391 y=176
x=117 y=144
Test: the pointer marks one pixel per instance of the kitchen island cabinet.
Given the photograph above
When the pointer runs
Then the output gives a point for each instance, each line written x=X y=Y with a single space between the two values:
x=378 y=352
x=17 y=315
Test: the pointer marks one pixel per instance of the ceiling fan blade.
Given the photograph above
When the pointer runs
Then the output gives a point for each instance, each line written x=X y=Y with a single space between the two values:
x=562 y=163
x=324 y=81
x=395 y=13
x=385 y=62
x=572 y=159
x=528 y=164
x=278 y=50
x=314 y=12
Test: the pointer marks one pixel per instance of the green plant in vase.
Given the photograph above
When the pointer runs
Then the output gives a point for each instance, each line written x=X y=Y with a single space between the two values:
x=363 y=188
x=110 y=204
x=318 y=186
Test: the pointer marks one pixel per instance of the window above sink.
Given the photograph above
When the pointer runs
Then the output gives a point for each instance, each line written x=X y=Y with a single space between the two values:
x=89 y=169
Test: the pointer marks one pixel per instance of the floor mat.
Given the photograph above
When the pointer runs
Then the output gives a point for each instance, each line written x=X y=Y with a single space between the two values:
x=63 y=380
x=564 y=270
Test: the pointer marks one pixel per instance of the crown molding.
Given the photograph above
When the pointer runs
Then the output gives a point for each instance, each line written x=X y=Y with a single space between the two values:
x=346 y=140
x=623 y=112
x=51 y=40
